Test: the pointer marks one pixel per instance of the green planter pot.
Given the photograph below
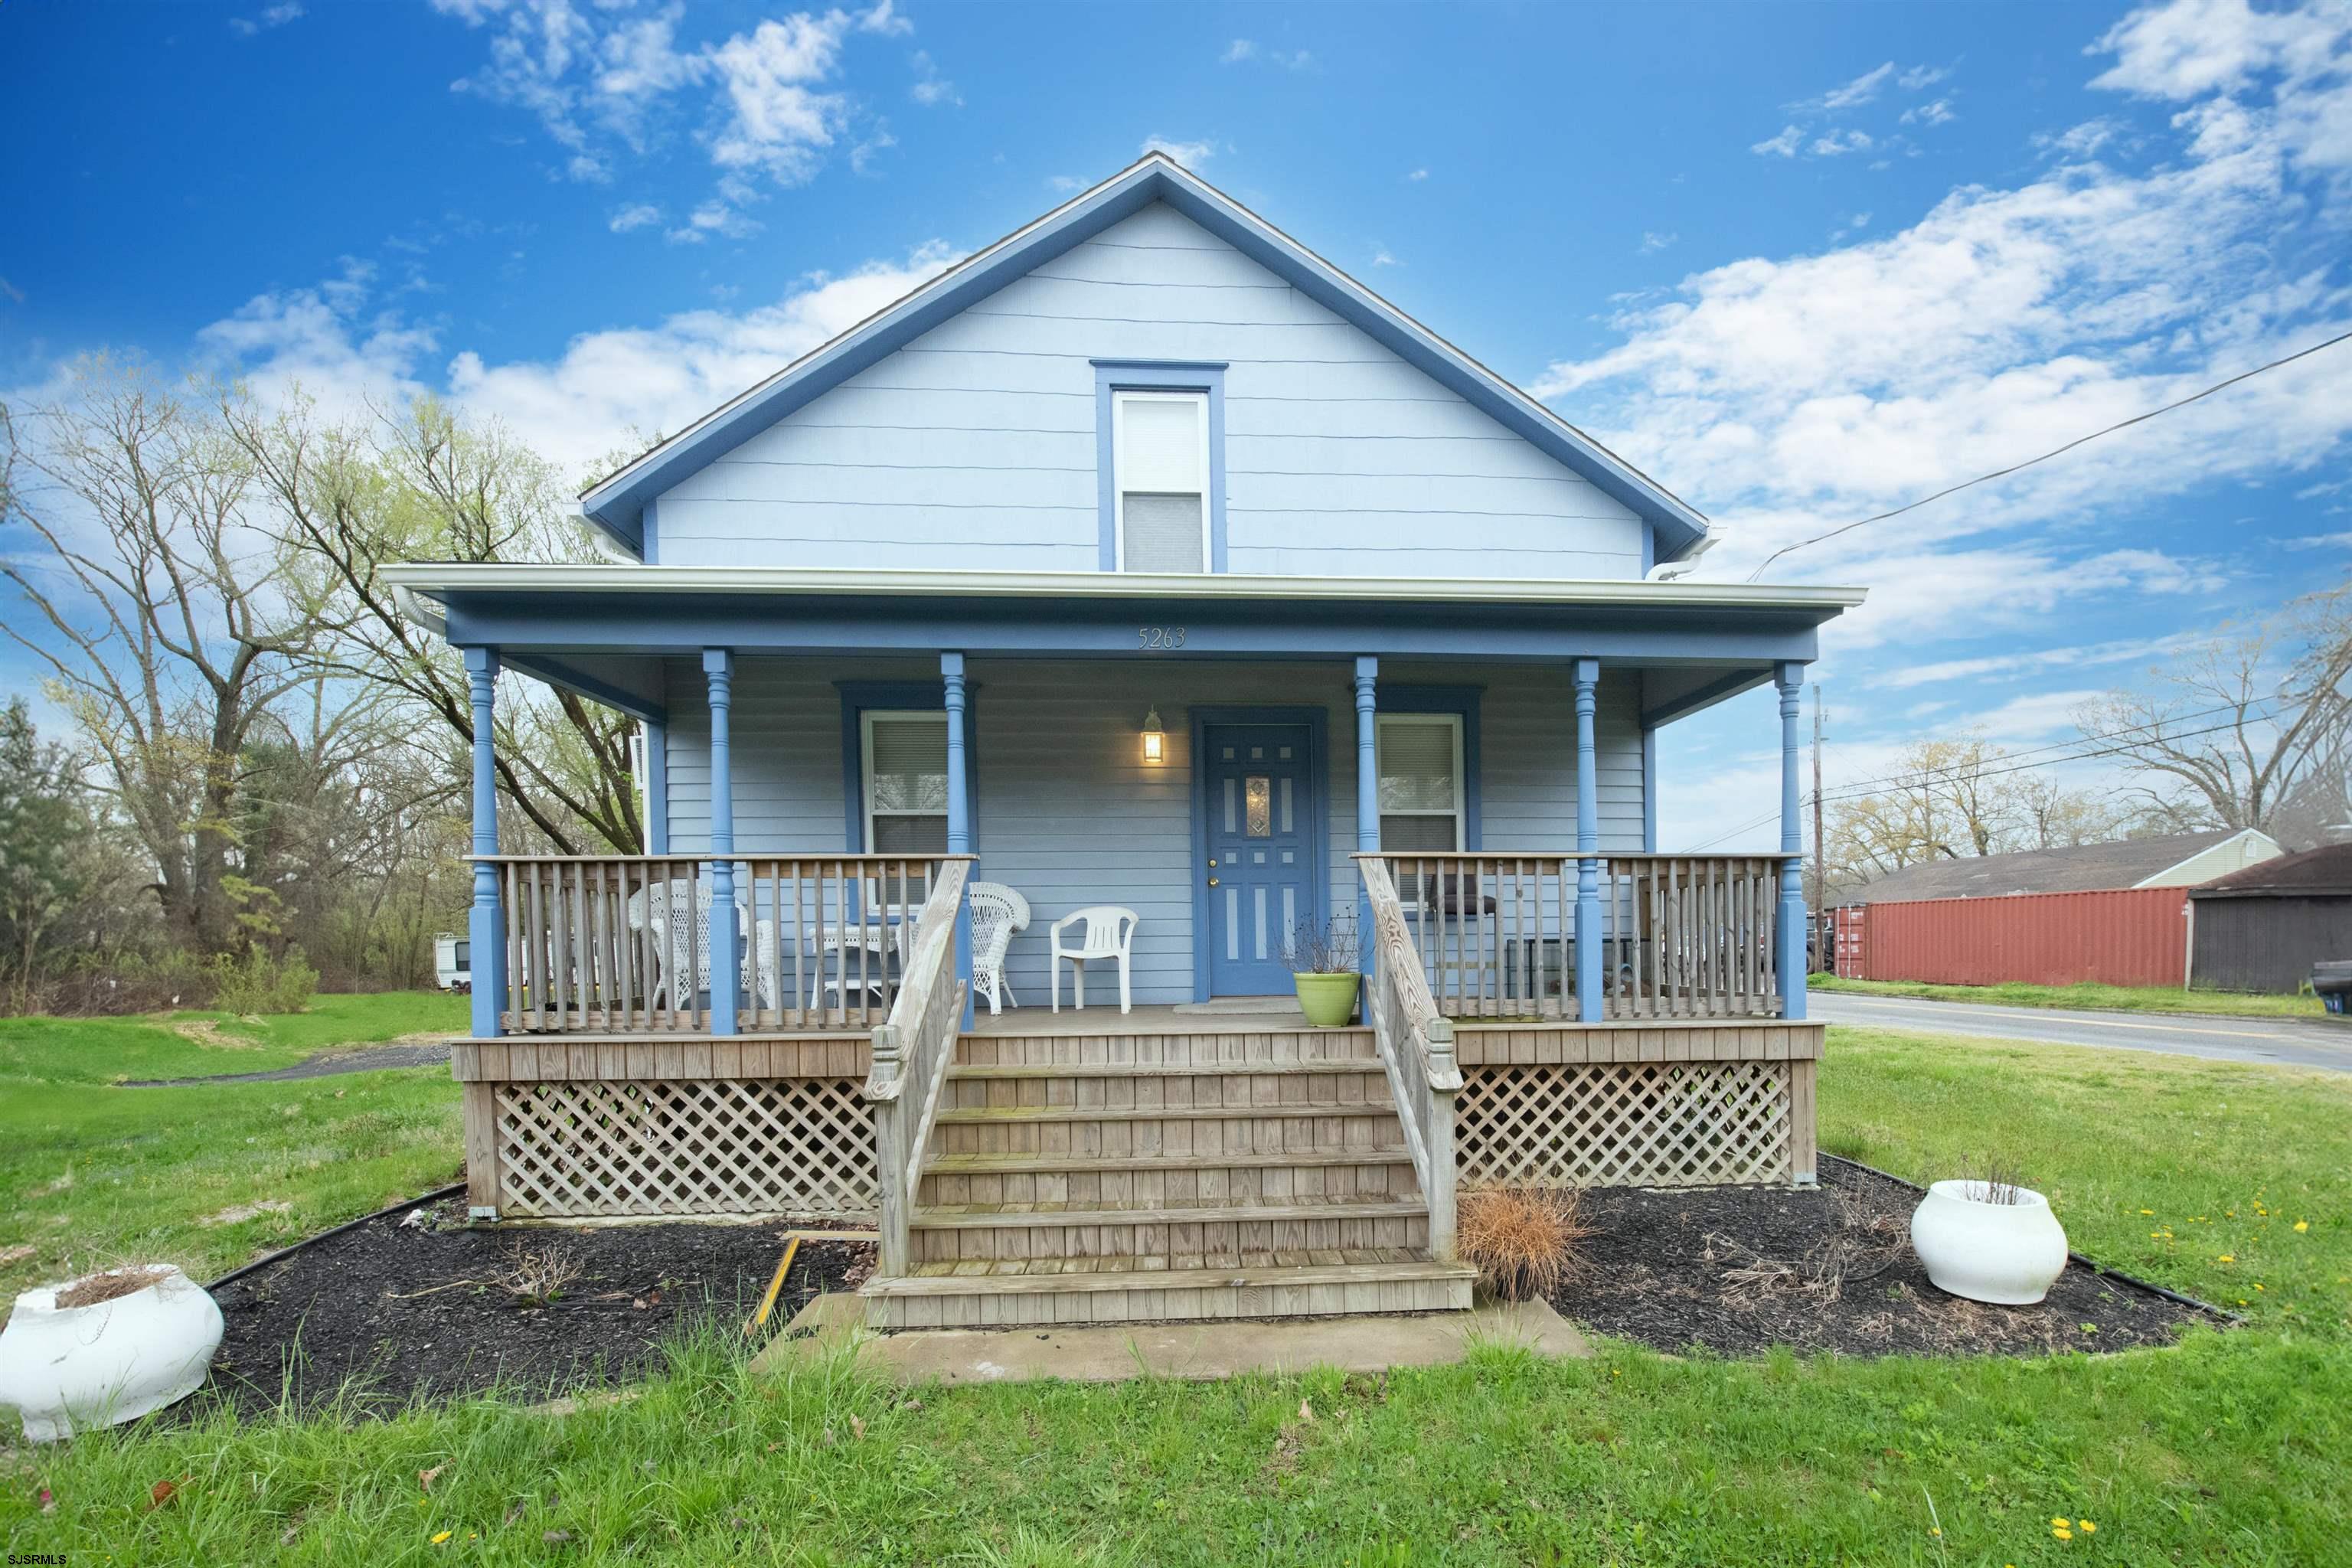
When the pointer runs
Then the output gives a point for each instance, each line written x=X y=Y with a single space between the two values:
x=1328 y=1000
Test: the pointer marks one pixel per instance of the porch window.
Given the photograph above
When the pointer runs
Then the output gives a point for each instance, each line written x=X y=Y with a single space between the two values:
x=905 y=774
x=1421 y=793
x=1161 y=442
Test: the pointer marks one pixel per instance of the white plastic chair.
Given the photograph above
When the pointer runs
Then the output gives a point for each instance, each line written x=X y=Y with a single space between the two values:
x=1109 y=933
x=997 y=913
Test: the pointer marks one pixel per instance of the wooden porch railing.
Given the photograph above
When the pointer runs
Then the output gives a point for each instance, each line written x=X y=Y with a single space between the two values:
x=1416 y=1045
x=1682 y=936
x=621 y=943
x=911 y=1053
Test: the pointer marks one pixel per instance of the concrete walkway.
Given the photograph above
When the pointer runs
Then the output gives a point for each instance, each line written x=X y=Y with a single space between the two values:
x=1193 y=1351
x=2273 y=1042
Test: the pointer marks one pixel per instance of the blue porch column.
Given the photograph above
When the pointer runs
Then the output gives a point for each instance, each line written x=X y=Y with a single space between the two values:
x=951 y=689
x=726 y=939
x=486 y=932
x=1588 y=1007
x=1368 y=805
x=1790 y=677
x=656 y=788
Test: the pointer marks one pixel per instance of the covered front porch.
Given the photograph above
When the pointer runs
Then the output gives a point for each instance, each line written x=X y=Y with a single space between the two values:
x=1549 y=995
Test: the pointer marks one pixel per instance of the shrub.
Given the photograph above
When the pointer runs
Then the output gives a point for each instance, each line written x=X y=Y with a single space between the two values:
x=1527 y=1241
x=258 y=983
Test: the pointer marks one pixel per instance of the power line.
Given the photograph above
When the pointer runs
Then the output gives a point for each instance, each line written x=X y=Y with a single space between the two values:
x=2053 y=452
x=2153 y=728
x=1864 y=791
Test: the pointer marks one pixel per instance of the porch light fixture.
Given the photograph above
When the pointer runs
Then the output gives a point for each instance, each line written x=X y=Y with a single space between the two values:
x=1155 y=739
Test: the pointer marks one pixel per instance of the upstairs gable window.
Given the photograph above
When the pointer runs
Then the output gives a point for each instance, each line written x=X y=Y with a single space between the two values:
x=1160 y=442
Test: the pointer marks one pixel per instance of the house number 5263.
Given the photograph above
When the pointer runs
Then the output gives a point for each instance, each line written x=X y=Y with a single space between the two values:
x=1161 y=638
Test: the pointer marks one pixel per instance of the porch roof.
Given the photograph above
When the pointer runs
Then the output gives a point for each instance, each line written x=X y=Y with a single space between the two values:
x=597 y=629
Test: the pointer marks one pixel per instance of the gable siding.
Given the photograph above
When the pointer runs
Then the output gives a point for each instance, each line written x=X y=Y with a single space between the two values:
x=1070 y=815
x=975 y=447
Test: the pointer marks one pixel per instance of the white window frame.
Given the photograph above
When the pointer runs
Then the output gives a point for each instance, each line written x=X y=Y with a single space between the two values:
x=865 y=760
x=1453 y=721
x=1119 y=399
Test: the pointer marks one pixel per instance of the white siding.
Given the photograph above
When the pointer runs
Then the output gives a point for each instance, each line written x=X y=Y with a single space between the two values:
x=1070 y=815
x=975 y=447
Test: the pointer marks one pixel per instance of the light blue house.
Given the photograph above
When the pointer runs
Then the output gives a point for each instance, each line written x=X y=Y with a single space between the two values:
x=1141 y=559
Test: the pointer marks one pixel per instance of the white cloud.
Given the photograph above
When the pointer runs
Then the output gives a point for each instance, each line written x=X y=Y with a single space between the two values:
x=1189 y=154
x=1837 y=144
x=609 y=389
x=1248 y=51
x=1065 y=183
x=1789 y=396
x=766 y=105
x=1381 y=256
x=2320 y=541
x=1918 y=77
x=269 y=16
x=1652 y=241
x=713 y=217
x=778 y=118
x=1784 y=146
x=1936 y=111
x=930 y=89
x=1417 y=174
x=637 y=215
x=1859 y=91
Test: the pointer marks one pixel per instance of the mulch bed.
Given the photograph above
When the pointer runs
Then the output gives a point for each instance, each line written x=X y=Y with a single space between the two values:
x=437 y=1310
x=1736 y=1271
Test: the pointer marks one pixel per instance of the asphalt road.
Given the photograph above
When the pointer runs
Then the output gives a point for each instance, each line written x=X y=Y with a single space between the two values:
x=2277 y=1042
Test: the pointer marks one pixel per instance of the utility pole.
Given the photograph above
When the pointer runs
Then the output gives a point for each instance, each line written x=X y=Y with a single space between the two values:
x=1824 y=950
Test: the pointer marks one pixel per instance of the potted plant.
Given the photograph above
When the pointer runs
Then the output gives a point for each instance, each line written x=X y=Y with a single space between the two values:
x=1321 y=958
x=1990 y=1238
x=106 y=1349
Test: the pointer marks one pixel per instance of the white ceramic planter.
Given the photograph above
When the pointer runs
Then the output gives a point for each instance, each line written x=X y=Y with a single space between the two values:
x=68 y=1367
x=2007 y=1254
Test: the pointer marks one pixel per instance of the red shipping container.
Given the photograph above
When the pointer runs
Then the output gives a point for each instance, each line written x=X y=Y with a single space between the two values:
x=2134 y=936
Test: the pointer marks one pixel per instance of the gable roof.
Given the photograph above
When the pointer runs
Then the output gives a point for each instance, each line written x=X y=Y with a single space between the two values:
x=2315 y=872
x=2075 y=868
x=616 y=504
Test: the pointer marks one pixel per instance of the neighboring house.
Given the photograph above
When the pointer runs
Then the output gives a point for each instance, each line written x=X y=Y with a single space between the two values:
x=2263 y=928
x=1141 y=559
x=2103 y=913
x=2174 y=860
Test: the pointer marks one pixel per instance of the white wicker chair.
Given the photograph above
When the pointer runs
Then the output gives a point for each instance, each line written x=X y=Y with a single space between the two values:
x=997 y=915
x=677 y=952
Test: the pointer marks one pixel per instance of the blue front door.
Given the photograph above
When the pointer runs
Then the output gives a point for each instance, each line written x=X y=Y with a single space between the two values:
x=1261 y=876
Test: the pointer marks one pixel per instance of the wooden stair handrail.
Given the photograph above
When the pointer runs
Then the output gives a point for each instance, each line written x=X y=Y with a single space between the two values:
x=1416 y=1047
x=912 y=1050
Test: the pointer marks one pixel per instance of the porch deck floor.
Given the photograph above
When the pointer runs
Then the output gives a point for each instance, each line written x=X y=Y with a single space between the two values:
x=1278 y=1013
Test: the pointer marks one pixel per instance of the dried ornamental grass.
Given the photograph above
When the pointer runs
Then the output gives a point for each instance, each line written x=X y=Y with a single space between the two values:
x=1526 y=1241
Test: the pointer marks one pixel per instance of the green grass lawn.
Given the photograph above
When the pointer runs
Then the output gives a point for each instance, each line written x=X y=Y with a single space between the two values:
x=91 y=1175
x=2221 y=1179
x=2101 y=998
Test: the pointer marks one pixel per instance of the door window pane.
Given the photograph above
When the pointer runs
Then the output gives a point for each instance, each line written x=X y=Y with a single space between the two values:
x=1257 y=796
x=907 y=783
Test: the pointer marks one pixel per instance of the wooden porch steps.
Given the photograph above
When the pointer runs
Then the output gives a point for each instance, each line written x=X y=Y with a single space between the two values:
x=991 y=1232
x=1015 y=1292
x=1112 y=1178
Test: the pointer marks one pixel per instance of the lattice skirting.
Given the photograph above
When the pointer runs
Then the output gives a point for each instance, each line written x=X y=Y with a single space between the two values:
x=1646 y=1124
x=584 y=1148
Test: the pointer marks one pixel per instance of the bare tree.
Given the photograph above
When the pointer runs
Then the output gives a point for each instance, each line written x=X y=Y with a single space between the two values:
x=421 y=485
x=2233 y=733
x=172 y=623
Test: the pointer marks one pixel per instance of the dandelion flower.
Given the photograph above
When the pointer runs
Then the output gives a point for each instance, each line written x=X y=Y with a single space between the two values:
x=2063 y=1534
x=2057 y=1524
x=2086 y=1527
x=2228 y=1257
x=2303 y=1225
x=443 y=1536
x=2148 y=1211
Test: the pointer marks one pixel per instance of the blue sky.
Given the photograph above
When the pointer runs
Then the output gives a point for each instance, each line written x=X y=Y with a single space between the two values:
x=1801 y=262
